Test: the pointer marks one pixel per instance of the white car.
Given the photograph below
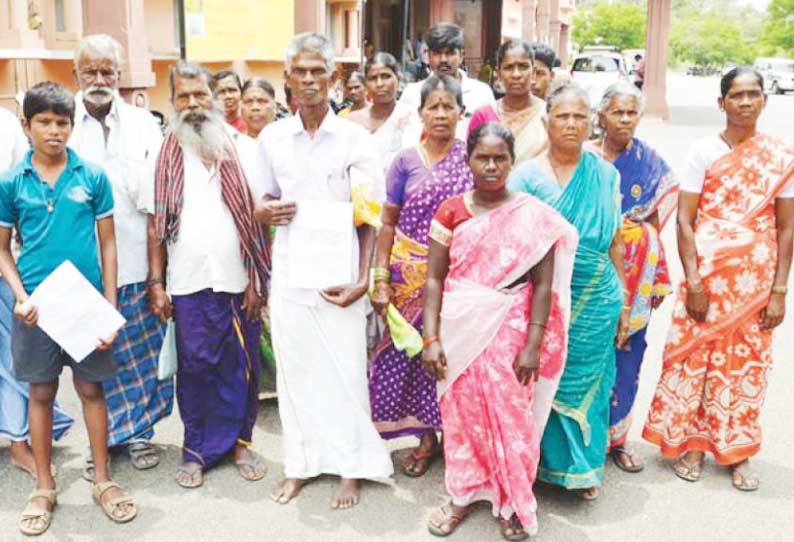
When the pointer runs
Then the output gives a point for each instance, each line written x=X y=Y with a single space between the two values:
x=594 y=72
x=778 y=74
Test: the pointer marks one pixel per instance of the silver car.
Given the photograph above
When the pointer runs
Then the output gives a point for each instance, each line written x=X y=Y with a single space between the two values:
x=778 y=74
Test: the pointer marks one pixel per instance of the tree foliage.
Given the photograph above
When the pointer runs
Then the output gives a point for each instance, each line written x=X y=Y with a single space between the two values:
x=778 y=33
x=621 y=24
x=710 y=41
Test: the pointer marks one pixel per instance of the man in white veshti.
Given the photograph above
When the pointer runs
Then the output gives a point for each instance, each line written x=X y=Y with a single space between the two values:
x=319 y=336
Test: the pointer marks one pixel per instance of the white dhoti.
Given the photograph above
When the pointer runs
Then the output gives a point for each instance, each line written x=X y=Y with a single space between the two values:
x=321 y=360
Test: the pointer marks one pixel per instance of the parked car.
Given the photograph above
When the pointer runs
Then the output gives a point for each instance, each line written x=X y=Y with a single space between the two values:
x=595 y=71
x=778 y=74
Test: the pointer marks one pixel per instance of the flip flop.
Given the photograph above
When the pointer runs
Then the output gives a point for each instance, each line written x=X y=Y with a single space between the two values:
x=514 y=525
x=745 y=482
x=190 y=471
x=115 y=503
x=428 y=457
x=34 y=511
x=634 y=468
x=687 y=471
x=31 y=472
x=254 y=463
x=139 y=452
x=449 y=519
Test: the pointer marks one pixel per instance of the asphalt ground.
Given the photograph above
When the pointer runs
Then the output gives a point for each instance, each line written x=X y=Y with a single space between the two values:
x=650 y=506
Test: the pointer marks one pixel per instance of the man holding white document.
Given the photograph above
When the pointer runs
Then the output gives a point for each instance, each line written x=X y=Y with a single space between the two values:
x=324 y=185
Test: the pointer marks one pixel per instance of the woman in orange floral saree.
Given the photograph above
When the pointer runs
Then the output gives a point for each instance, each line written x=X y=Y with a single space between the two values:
x=735 y=231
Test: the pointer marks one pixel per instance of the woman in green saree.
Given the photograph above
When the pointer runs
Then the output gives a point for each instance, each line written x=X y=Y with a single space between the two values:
x=586 y=190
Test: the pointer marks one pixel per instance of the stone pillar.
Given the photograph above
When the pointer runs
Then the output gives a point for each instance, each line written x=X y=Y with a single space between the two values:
x=14 y=30
x=124 y=20
x=528 y=23
x=655 y=87
x=543 y=20
x=555 y=26
x=442 y=11
x=310 y=16
x=565 y=44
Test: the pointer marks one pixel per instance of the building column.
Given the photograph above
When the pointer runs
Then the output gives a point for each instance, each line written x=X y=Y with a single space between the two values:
x=543 y=21
x=528 y=12
x=555 y=26
x=655 y=86
x=442 y=11
x=565 y=44
x=124 y=21
x=15 y=32
x=310 y=16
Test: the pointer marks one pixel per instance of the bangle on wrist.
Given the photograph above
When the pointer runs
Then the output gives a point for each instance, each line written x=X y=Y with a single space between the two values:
x=780 y=290
x=427 y=341
x=539 y=324
x=381 y=274
x=696 y=288
x=152 y=282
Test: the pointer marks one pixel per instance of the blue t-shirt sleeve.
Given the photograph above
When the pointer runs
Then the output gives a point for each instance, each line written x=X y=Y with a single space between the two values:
x=8 y=211
x=103 y=196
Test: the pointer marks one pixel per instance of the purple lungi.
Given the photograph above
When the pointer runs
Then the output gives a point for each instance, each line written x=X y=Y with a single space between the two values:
x=218 y=374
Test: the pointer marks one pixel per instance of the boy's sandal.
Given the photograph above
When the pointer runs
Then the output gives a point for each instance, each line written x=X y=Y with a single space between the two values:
x=143 y=455
x=417 y=456
x=111 y=506
x=633 y=466
x=512 y=530
x=687 y=471
x=35 y=514
x=444 y=517
x=745 y=482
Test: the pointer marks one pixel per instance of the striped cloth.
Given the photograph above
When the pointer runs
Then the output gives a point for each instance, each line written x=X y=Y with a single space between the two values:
x=136 y=399
x=169 y=183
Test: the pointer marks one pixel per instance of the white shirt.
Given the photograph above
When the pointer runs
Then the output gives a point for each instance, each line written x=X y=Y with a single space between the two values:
x=206 y=253
x=705 y=152
x=475 y=95
x=297 y=167
x=128 y=158
x=13 y=143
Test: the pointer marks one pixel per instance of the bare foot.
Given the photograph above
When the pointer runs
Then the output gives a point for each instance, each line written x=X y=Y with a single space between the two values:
x=287 y=490
x=591 y=493
x=189 y=475
x=22 y=458
x=347 y=494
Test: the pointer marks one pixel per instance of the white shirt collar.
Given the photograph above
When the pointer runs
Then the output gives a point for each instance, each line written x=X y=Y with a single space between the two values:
x=330 y=123
x=81 y=113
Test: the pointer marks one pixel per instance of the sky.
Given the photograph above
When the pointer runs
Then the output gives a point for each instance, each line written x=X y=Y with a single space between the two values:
x=758 y=4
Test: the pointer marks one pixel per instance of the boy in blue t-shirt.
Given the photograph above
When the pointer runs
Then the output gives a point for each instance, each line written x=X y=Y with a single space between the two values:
x=59 y=205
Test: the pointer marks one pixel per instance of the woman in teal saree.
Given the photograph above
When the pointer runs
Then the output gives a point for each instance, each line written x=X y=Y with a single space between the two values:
x=586 y=190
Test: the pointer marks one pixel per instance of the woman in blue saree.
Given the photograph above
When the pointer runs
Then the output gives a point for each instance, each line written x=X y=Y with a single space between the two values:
x=650 y=191
x=586 y=190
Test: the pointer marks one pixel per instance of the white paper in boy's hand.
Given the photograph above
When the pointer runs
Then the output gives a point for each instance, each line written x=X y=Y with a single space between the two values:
x=320 y=248
x=73 y=313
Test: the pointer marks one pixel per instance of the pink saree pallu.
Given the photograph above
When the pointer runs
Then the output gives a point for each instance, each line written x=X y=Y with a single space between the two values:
x=493 y=424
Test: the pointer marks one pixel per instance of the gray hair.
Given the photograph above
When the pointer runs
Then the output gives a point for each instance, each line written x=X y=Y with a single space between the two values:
x=562 y=89
x=187 y=70
x=621 y=88
x=310 y=42
x=98 y=46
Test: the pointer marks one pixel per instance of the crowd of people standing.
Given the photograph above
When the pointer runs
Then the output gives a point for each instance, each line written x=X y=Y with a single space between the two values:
x=525 y=255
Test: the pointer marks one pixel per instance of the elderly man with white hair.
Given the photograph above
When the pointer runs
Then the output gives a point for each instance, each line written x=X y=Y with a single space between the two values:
x=124 y=140
x=315 y=162
x=208 y=266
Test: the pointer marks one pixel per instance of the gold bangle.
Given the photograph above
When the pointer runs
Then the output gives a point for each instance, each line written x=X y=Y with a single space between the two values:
x=381 y=274
x=538 y=324
x=696 y=288
x=780 y=290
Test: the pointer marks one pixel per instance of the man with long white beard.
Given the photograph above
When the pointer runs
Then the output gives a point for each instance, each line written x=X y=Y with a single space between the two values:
x=124 y=140
x=208 y=267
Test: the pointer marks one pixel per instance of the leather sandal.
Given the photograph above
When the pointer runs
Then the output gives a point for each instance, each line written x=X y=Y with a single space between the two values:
x=687 y=471
x=428 y=457
x=444 y=517
x=112 y=505
x=34 y=511
x=513 y=524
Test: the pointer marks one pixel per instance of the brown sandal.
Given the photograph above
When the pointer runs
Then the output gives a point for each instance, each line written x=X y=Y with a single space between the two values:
x=513 y=524
x=34 y=511
x=418 y=456
x=114 y=504
x=446 y=519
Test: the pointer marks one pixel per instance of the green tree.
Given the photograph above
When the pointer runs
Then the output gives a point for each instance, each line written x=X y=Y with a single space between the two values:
x=710 y=40
x=778 y=34
x=621 y=24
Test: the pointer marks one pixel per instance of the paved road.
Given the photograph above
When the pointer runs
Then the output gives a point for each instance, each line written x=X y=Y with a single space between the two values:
x=651 y=506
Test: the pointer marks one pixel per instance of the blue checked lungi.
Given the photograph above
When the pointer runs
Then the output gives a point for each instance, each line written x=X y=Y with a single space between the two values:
x=136 y=399
x=13 y=393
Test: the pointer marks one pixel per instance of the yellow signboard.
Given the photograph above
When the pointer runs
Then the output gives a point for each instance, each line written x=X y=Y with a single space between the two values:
x=221 y=30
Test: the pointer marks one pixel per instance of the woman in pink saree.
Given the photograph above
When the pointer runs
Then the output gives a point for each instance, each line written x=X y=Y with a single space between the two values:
x=495 y=337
